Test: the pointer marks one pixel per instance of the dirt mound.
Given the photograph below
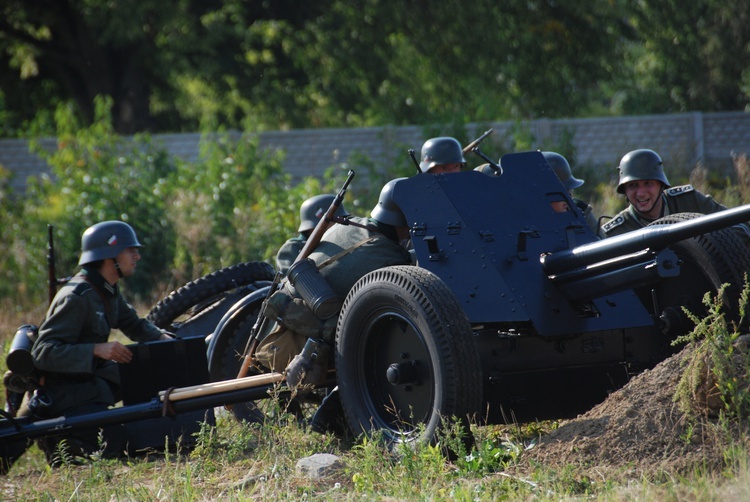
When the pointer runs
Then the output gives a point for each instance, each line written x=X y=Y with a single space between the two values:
x=640 y=427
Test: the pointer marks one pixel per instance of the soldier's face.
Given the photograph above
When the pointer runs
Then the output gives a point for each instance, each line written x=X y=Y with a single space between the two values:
x=645 y=196
x=128 y=260
x=445 y=168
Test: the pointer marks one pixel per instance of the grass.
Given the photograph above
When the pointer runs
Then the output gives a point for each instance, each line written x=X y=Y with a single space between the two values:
x=242 y=462
x=238 y=462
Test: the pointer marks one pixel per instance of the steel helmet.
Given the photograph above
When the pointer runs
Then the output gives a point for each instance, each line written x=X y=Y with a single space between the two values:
x=314 y=208
x=386 y=211
x=106 y=239
x=442 y=150
x=641 y=165
x=560 y=165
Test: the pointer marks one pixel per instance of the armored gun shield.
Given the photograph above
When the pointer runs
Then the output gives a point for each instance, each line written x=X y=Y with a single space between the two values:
x=556 y=317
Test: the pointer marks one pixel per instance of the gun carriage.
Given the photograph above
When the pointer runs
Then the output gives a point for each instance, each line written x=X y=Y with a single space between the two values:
x=512 y=310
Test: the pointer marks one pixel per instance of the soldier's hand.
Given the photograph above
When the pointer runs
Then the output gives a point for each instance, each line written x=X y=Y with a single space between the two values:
x=296 y=370
x=113 y=351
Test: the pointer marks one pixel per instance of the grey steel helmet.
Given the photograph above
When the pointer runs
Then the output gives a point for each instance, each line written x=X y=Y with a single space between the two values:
x=106 y=239
x=314 y=208
x=386 y=211
x=641 y=164
x=439 y=151
x=560 y=165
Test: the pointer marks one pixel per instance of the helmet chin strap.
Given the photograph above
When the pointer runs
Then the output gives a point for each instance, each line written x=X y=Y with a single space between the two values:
x=117 y=267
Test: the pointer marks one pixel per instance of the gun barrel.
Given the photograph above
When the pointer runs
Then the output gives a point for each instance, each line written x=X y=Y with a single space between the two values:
x=655 y=238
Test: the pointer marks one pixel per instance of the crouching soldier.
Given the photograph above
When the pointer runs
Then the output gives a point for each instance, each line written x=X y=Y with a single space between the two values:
x=75 y=362
x=345 y=254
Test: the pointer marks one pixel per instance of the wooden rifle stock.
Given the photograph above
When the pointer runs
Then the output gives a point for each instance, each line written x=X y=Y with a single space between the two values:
x=51 y=273
x=317 y=233
x=476 y=142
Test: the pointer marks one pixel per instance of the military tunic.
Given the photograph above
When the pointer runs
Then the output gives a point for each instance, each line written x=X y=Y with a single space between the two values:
x=347 y=253
x=82 y=314
x=679 y=199
x=289 y=252
x=344 y=255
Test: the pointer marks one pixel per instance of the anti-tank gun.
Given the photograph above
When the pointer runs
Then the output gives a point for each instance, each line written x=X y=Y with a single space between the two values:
x=515 y=309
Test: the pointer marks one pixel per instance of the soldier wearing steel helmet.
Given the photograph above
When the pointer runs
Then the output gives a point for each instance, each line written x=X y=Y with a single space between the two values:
x=345 y=254
x=442 y=155
x=73 y=354
x=651 y=196
x=561 y=167
x=310 y=212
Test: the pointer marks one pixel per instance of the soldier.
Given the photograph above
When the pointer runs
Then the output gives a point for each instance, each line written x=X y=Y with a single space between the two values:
x=650 y=196
x=560 y=165
x=76 y=362
x=345 y=254
x=309 y=213
x=442 y=155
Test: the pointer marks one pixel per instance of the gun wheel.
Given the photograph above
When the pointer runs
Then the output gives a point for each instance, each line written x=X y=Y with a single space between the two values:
x=198 y=306
x=707 y=262
x=405 y=356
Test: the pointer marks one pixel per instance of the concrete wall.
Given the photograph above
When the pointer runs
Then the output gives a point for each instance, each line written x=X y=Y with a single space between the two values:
x=681 y=139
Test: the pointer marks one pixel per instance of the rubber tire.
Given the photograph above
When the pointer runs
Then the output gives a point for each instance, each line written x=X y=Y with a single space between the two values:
x=204 y=295
x=394 y=314
x=707 y=262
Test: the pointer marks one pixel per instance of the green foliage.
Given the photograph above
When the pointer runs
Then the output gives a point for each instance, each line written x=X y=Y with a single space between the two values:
x=233 y=203
x=334 y=63
x=716 y=381
x=98 y=176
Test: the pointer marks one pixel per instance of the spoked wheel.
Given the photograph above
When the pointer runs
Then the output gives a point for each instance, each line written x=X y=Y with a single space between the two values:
x=405 y=358
x=198 y=306
x=302 y=407
x=706 y=262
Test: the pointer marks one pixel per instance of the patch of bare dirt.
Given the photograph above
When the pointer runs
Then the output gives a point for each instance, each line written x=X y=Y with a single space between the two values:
x=638 y=427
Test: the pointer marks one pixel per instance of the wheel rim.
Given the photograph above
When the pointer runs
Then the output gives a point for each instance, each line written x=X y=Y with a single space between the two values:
x=395 y=401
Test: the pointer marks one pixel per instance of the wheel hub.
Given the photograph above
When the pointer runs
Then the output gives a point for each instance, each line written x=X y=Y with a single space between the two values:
x=402 y=373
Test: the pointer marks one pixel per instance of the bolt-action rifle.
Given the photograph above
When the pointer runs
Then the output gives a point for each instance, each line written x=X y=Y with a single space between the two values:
x=312 y=242
x=52 y=280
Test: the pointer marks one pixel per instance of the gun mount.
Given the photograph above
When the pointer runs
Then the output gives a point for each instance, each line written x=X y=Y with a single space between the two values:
x=512 y=308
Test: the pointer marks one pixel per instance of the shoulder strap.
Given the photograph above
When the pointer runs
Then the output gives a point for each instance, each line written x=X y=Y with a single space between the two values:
x=345 y=252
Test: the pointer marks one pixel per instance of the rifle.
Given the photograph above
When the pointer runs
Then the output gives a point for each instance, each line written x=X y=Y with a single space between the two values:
x=52 y=280
x=329 y=217
x=414 y=159
x=474 y=144
x=14 y=432
x=312 y=242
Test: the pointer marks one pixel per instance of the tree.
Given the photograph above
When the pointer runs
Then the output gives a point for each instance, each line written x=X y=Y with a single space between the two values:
x=690 y=56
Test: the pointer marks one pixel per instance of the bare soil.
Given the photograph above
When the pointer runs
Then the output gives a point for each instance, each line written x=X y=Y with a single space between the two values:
x=639 y=429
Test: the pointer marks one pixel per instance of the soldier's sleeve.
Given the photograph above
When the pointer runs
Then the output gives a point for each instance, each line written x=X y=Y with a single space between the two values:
x=707 y=204
x=135 y=327
x=287 y=254
x=57 y=349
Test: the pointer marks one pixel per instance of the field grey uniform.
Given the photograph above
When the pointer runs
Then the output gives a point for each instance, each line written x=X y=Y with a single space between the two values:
x=347 y=253
x=344 y=255
x=679 y=199
x=289 y=252
x=82 y=314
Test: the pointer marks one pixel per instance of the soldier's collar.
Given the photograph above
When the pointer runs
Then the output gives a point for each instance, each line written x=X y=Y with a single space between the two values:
x=98 y=281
